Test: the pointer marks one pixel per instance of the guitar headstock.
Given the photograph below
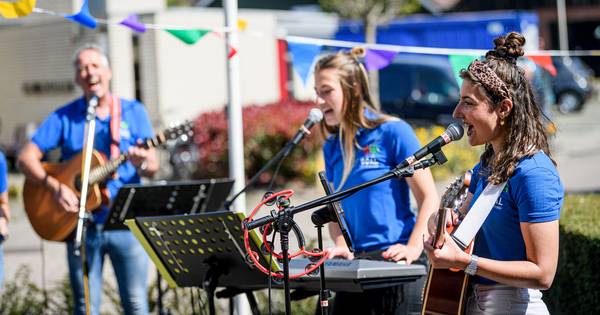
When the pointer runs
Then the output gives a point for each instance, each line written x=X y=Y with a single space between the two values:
x=456 y=192
x=185 y=131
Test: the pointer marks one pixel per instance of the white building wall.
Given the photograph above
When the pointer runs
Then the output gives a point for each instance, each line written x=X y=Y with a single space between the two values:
x=35 y=54
x=186 y=80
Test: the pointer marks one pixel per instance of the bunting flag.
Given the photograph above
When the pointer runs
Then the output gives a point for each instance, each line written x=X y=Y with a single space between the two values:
x=231 y=53
x=189 y=37
x=13 y=10
x=376 y=59
x=134 y=23
x=303 y=57
x=84 y=17
x=459 y=62
x=242 y=24
x=544 y=61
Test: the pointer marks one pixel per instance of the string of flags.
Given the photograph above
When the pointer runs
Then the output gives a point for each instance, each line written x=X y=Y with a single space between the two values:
x=304 y=51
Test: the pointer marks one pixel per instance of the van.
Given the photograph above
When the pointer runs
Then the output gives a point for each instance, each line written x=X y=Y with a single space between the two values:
x=419 y=88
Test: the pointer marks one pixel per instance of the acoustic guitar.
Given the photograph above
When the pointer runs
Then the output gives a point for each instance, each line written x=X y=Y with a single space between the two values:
x=445 y=290
x=47 y=217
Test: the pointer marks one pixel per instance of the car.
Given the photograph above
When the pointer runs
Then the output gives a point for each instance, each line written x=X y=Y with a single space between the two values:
x=419 y=88
x=572 y=83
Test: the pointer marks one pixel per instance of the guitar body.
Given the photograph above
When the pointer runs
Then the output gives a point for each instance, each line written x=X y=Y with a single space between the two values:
x=46 y=216
x=446 y=291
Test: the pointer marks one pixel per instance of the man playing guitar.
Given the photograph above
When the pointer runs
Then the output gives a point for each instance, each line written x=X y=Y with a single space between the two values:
x=120 y=125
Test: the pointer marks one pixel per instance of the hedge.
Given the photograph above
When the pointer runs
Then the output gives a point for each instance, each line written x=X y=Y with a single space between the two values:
x=576 y=287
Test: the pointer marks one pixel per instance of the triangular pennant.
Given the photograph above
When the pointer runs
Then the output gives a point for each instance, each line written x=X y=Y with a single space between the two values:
x=134 y=23
x=303 y=57
x=544 y=61
x=376 y=59
x=84 y=17
x=13 y=10
x=459 y=62
x=232 y=53
x=242 y=24
x=189 y=37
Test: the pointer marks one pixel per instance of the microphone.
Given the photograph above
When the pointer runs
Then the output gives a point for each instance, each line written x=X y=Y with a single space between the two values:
x=454 y=132
x=314 y=117
x=93 y=101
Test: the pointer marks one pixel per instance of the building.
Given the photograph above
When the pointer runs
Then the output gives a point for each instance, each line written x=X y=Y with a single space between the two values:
x=174 y=80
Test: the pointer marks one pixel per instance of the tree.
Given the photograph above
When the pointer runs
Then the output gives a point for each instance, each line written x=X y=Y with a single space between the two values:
x=372 y=13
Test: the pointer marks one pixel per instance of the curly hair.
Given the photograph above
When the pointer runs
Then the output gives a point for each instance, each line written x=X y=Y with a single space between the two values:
x=525 y=132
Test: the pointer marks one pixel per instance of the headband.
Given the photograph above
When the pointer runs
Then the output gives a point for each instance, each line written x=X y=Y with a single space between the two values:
x=489 y=79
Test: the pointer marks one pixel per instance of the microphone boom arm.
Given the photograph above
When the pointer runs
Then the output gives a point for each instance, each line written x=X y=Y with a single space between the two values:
x=399 y=172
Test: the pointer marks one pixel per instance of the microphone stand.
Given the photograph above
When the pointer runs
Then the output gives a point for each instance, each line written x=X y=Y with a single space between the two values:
x=80 y=235
x=282 y=154
x=318 y=220
x=284 y=221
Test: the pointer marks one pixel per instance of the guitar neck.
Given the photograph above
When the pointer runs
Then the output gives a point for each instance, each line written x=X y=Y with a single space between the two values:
x=99 y=173
x=438 y=241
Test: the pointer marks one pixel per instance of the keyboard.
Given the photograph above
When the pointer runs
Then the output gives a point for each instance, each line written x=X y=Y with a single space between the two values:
x=356 y=275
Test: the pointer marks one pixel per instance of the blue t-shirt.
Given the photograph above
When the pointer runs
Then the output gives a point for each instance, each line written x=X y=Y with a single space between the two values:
x=379 y=216
x=534 y=193
x=3 y=174
x=64 y=128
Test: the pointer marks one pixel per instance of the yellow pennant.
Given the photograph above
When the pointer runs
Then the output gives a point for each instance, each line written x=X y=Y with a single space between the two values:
x=13 y=10
x=242 y=24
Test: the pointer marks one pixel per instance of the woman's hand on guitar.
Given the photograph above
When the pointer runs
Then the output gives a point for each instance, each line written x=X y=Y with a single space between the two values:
x=448 y=256
x=340 y=251
x=399 y=252
x=67 y=199
x=451 y=219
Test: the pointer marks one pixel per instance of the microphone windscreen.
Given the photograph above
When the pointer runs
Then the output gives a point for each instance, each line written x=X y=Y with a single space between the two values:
x=315 y=115
x=455 y=131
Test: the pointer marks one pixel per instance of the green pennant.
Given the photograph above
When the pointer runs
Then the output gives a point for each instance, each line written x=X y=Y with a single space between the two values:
x=459 y=62
x=189 y=37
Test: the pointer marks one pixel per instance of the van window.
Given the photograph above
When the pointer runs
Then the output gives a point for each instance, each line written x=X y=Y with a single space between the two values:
x=433 y=87
x=395 y=82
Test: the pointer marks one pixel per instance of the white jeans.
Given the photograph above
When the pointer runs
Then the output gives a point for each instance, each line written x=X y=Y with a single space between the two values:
x=502 y=299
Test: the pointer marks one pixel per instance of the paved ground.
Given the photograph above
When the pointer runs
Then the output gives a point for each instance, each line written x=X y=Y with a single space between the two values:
x=576 y=148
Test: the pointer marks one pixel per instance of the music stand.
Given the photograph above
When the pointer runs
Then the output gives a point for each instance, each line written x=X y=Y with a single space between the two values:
x=165 y=198
x=202 y=250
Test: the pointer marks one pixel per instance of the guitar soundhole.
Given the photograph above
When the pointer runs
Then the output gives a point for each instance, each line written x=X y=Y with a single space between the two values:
x=77 y=183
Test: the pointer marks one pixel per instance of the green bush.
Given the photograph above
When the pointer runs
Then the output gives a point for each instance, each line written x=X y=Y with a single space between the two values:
x=576 y=287
x=22 y=296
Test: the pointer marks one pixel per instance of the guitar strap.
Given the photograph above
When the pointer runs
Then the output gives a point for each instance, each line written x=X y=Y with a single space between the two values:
x=115 y=127
x=480 y=210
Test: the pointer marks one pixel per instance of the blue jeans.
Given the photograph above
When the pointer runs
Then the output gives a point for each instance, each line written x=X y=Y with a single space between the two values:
x=130 y=264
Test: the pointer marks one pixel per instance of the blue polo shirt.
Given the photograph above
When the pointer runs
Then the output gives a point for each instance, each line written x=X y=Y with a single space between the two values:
x=64 y=129
x=533 y=194
x=380 y=215
x=3 y=174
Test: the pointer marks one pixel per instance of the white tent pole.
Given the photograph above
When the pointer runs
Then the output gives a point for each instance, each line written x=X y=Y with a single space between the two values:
x=235 y=130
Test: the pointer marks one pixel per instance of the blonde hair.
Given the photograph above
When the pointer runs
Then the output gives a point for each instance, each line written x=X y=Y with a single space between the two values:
x=355 y=90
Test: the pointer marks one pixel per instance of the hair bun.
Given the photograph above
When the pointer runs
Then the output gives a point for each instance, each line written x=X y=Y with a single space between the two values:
x=509 y=47
x=358 y=52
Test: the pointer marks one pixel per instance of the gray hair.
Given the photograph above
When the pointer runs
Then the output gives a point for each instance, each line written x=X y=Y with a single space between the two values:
x=90 y=46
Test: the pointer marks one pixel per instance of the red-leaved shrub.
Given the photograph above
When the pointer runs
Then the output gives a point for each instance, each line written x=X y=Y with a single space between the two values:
x=267 y=128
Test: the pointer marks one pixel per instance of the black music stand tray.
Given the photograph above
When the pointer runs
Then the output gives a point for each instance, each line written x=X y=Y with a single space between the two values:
x=202 y=250
x=165 y=198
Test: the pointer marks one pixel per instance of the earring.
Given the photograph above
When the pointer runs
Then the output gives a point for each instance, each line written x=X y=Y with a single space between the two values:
x=502 y=122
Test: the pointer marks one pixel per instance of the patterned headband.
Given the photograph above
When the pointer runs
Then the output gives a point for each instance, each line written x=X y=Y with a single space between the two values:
x=489 y=79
